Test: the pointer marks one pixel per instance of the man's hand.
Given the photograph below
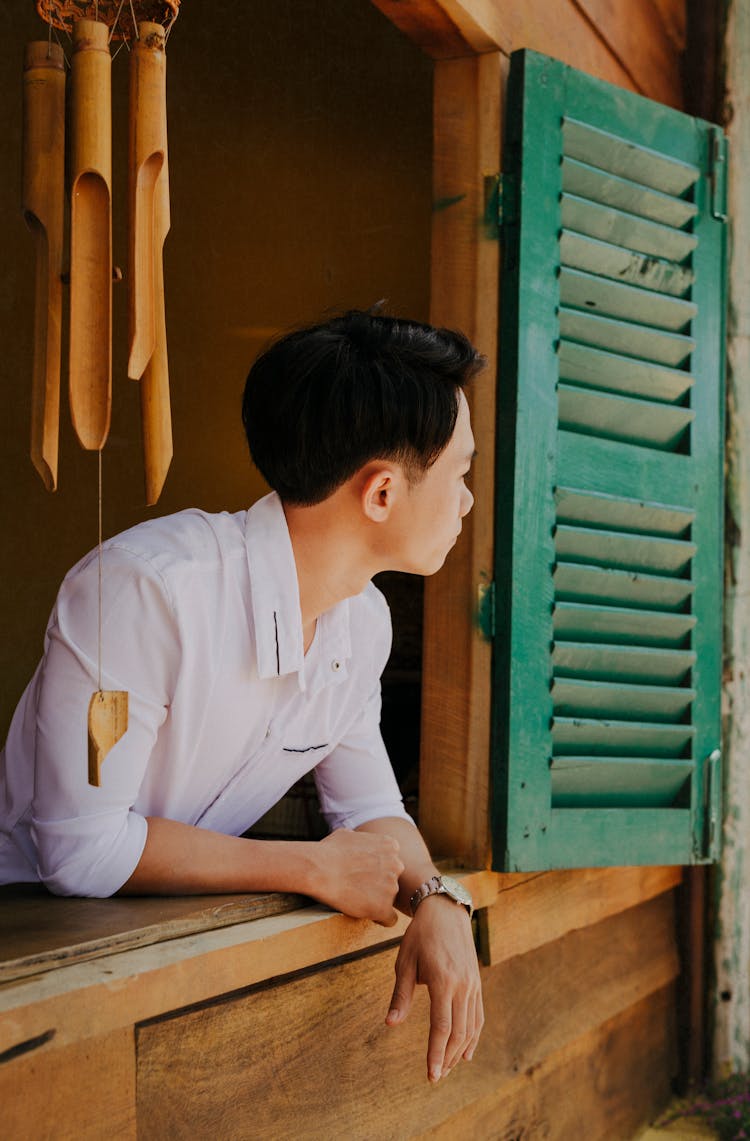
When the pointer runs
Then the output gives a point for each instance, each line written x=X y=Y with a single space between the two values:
x=358 y=873
x=438 y=950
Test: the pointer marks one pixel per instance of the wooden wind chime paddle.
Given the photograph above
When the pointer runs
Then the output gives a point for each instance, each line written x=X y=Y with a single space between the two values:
x=93 y=24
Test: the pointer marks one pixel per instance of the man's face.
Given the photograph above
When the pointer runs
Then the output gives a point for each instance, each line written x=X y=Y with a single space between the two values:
x=430 y=514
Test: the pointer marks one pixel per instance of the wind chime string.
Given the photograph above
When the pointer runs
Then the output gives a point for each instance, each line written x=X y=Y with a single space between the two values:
x=99 y=661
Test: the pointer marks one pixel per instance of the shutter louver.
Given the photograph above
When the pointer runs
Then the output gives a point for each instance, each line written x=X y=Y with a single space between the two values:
x=609 y=583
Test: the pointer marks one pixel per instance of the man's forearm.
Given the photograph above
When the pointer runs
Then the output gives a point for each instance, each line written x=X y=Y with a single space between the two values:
x=355 y=874
x=180 y=859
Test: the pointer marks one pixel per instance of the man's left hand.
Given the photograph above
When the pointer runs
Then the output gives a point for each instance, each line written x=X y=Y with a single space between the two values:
x=438 y=950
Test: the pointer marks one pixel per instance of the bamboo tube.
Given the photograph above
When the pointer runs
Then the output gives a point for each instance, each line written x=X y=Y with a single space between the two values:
x=155 y=403
x=43 y=199
x=91 y=235
x=147 y=153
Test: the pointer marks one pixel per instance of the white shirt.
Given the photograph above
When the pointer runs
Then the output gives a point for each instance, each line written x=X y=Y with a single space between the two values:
x=202 y=627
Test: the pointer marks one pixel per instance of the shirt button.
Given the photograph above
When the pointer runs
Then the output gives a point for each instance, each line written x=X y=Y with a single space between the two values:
x=335 y=666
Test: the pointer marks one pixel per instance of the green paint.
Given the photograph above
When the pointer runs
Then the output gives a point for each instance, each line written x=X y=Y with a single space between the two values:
x=610 y=452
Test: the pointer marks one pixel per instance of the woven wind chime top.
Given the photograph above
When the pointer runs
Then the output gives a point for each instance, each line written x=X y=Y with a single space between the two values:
x=122 y=16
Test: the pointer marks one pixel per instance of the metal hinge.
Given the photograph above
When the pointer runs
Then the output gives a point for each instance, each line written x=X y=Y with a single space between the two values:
x=486 y=610
x=711 y=846
x=499 y=203
x=718 y=159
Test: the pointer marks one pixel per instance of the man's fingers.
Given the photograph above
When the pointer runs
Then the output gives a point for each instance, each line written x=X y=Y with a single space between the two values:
x=478 y=1024
x=403 y=991
x=441 y=1021
x=462 y=1017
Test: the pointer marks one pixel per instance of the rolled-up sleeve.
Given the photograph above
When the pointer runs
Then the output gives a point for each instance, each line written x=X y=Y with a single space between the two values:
x=89 y=839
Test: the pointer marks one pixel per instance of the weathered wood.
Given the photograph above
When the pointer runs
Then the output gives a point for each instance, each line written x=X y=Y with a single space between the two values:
x=600 y=1086
x=638 y=38
x=40 y=932
x=445 y=29
x=546 y=907
x=732 y=947
x=81 y=1093
x=337 y=1070
x=465 y=282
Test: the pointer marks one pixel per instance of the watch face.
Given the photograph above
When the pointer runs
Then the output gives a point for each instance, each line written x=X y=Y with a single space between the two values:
x=456 y=890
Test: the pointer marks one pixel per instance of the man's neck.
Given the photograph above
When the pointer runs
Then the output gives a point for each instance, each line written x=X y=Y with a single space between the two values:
x=331 y=565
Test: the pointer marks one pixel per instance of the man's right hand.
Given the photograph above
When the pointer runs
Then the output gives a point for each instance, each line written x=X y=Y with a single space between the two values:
x=357 y=873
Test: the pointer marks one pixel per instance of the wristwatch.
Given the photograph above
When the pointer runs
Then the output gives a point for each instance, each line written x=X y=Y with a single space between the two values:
x=442 y=885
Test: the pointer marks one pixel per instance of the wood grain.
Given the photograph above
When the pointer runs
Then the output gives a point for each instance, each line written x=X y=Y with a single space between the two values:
x=602 y=1086
x=446 y=29
x=546 y=907
x=638 y=38
x=39 y=931
x=337 y=1071
x=81 y=1093
x=465 y=286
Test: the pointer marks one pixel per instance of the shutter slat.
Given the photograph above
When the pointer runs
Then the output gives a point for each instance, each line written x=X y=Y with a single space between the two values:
x=601 y=369
x=586 y=735
x=599 y=662
x=587 y=583
x=616 y=513
x=626 y=302
x=608 y=260
x=601 y=782
x=588 y=181
x=623 y=550
x=623 y=157
x=588 y=623
x=624 y=337
x=626 y=230
x=615 y=417
x=625 y=702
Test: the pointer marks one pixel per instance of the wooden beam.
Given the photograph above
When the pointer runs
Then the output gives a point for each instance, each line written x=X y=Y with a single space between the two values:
x=546 y=907
x=446 y=29
x=454 y=780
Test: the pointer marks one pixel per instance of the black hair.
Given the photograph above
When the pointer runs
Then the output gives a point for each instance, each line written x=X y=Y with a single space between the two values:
x=325 y=400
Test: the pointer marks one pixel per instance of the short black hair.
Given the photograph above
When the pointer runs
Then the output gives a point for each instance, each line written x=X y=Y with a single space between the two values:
x=325 y=400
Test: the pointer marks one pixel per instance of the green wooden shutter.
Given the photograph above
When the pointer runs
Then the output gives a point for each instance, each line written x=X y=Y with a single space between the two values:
x=606 y=695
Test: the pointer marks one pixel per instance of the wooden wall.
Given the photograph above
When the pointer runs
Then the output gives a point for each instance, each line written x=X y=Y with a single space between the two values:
x=255 y=1031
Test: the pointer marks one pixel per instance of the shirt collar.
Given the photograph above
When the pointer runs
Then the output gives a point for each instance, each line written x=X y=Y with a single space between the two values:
x=276 y=607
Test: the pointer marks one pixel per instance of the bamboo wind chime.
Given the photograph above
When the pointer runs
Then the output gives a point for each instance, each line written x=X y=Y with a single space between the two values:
x=140 y=26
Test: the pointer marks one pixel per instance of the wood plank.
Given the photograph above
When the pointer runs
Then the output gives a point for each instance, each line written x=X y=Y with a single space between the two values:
x=448 y=28
x=454 y=776
x=602 y=1085
x=40 y=932
x=119 y=989
x=82 y=1093
x=338 y=1071
x=543 y=908
x=637 y=37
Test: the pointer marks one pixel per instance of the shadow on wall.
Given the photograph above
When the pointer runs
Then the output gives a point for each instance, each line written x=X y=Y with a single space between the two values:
x=300 y=164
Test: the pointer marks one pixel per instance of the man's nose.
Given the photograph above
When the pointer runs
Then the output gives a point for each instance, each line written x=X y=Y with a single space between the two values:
x=467 y=502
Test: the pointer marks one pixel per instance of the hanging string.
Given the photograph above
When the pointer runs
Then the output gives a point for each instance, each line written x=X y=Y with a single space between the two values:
x=99 y=662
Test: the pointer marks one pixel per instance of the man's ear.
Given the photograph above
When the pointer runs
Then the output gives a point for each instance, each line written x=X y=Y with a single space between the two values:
x=378 y=490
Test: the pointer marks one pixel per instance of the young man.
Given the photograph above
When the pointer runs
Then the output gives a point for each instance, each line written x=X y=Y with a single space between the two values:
x=251 y=646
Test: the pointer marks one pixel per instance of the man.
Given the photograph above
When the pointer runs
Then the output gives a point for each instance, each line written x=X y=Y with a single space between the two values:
x=251 y=646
